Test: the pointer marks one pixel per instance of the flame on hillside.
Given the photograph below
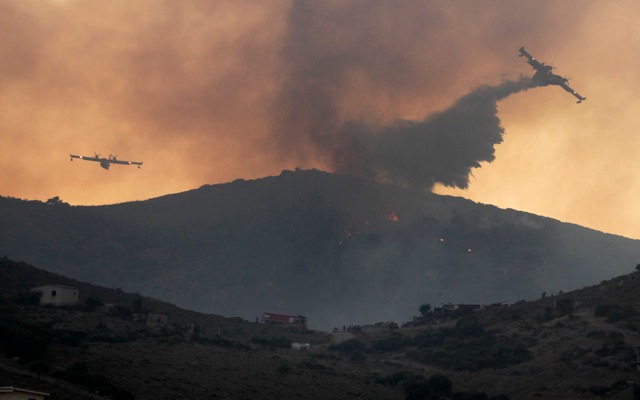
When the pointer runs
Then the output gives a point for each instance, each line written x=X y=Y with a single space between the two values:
x=393 y=217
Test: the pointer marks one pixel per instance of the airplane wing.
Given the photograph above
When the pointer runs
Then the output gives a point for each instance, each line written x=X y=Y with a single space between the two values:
x=85 y=158
x=122 y=162
x=531 y=60
x=573 y=92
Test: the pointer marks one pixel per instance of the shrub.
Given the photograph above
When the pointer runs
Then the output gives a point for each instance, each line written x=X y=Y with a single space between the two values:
x=79 y=373
x=27 y=341
x=620 y=314
x=602 y=310
x=273 y=343
x=69 y=337
x=565 y=306
x=122 y=312
x=39 y=367
x=284 y=368
x=546 y=316
x=349 y=346
x=470 y=396
x=430 y=339
x=440 y=385
x=613 y=344
x=599 y=390
x=28 y=298
x=221 y=342
x=92 y=304
x=395 y=342
x=478 y=353
x=615 y=312
x=113 y=337
x=418 y=388
x=398 y=378
x=469 y=326
x=357 y=357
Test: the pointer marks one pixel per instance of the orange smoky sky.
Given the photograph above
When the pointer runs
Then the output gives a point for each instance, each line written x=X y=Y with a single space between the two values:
x=207 y=92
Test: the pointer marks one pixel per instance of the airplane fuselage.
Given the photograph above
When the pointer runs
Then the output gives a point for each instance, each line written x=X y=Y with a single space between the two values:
x=547 y=78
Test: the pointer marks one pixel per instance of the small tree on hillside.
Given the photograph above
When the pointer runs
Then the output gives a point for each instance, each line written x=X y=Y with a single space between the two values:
x=425 y=310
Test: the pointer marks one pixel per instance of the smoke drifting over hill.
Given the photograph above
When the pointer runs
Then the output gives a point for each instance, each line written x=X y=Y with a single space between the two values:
x=335 y=67
x=443 y=148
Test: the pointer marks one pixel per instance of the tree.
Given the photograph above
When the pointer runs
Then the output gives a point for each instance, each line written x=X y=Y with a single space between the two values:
x=425 y=310
x=56 y=201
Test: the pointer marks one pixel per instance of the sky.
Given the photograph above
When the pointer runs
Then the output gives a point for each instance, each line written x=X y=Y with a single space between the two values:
x=427 y=94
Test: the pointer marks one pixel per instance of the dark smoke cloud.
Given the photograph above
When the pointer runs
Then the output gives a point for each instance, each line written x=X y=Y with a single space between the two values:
x=341 y=59
x=442 y=148
x=347 y=63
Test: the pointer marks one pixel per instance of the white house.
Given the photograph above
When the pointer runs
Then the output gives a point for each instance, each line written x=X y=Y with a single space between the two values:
x=13 y=393
x=58 y=295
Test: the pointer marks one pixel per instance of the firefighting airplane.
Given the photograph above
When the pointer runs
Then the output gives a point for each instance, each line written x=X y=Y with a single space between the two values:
x=544 y=76
x=106 y=162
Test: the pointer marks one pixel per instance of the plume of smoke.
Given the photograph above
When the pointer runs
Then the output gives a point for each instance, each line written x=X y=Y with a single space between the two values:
x=319 y=122
x=443 y=148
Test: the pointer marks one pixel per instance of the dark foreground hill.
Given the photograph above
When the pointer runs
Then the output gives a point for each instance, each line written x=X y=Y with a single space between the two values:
x=575 y=345
x=337 y=249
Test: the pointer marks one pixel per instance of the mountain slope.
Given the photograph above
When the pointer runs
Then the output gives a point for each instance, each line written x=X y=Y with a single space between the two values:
x=578 y=344
x=338 y=249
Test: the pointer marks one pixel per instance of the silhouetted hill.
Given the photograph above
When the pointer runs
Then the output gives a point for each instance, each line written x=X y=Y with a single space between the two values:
x=337 y=249
x=578 y=344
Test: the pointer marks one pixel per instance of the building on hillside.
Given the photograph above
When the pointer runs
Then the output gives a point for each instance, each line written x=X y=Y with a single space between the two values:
x=58 y=295
x=457 y=310
x=13 y=393
x=502 y=304
x=271 y=318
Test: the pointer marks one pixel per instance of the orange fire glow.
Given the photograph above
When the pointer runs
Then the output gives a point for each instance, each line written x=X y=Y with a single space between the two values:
x=393 y=217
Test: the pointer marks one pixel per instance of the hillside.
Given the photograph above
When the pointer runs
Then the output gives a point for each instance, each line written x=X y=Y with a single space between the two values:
x=577 y=345
x=337 y=249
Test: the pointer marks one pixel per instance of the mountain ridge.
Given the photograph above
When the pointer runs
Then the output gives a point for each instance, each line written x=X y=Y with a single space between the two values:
x=333 y=247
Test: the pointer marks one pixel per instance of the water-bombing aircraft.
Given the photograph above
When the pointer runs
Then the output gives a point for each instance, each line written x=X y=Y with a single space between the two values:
x=106 y=162
x=544 y=76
